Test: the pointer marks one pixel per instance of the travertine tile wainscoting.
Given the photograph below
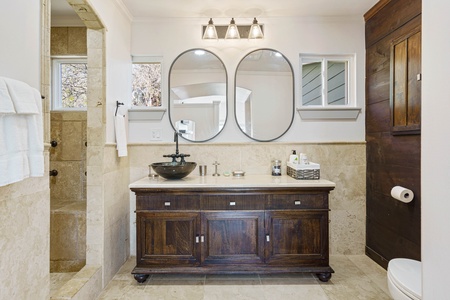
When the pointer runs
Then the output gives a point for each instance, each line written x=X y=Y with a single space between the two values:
x=342 y=163
x=68 y=192
x=24 y=238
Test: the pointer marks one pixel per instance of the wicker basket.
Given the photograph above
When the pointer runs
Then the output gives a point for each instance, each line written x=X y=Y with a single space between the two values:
x=310 y=171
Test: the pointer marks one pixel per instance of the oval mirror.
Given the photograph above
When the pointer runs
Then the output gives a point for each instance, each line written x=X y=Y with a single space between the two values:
x=198 y=95
x=264 y=95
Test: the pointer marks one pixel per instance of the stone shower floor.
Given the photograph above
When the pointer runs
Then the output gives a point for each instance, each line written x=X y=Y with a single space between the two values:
x=355 y=277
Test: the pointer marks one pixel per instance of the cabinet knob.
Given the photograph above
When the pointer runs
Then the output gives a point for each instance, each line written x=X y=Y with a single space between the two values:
x=53 y=173
x=232 y=203
x=54 y=144
x=267 y=238
x=297 y=202
x=197 y=239
x=167 y=203
x=202 y=238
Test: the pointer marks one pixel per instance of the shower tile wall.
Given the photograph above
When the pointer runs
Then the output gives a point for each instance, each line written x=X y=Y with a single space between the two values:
x=68 y=192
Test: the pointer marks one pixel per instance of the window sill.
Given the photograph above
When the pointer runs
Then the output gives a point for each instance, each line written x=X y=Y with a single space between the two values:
x=146 y=114
x=329 y=113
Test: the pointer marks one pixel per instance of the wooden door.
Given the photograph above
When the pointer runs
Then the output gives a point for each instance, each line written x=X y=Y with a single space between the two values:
x=168 y=238
x=233 y=238
x=296 y=238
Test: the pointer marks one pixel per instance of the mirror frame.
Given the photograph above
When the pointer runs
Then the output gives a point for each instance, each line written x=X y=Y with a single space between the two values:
x=293 y=95
x=226 y=93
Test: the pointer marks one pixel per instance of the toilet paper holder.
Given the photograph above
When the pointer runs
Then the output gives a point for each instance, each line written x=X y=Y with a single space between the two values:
x=402 y=194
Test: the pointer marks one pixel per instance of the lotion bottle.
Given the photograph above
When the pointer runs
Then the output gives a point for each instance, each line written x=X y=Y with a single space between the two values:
x=293 y=158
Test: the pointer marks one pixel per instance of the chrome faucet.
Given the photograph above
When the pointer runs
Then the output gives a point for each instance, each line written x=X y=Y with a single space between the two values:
x=175 y=139
x=177 y=152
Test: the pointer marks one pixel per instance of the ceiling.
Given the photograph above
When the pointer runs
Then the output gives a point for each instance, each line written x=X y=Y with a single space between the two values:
x=144 y=9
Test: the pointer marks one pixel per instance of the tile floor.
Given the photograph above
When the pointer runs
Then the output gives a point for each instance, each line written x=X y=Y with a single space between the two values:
x=355 y=277
x=57 y=280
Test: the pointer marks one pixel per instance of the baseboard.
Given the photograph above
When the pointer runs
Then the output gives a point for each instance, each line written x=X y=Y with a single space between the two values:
x=377 y=257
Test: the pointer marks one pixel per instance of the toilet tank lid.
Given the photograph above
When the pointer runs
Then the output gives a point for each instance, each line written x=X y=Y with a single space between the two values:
x=407 y=274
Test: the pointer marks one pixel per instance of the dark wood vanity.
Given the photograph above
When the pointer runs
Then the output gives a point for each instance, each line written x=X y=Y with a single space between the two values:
x=230 y=228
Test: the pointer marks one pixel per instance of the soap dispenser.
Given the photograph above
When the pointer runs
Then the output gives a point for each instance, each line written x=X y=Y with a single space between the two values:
x=293 y=158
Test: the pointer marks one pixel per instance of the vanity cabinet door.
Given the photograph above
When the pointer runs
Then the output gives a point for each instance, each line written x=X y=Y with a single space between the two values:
x=168 y=238
x=232 y=238
x=297 y=238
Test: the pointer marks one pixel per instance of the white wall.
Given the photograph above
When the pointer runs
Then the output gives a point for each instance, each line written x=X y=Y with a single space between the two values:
x=435 y=149
x=291 y=36
x=20 y=51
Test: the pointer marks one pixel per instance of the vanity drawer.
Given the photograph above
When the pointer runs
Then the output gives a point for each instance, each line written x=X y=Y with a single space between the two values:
x=233 y=202
x=167 y=202
x=299 y=201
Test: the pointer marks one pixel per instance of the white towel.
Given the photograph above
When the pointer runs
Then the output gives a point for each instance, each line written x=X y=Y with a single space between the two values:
x=121 y=135
x=35 y=128
x=22 y=146
x=14 y=165
x=22 y=96
x=6 y=104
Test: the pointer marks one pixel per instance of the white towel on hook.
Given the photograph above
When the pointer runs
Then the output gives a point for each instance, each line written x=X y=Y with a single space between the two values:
x=22 y=151
x=22 y=96
x=36 y=139
x=121 y=134
x=14 y=165
x=6 y=104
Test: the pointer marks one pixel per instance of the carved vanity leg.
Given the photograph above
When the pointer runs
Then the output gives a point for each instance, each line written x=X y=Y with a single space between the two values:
x=140 y=277
x=324 y=277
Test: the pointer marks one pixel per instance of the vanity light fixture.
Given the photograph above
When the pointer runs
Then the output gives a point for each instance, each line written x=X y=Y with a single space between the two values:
x=255 y=31
x=210 y=31
x=232 y=31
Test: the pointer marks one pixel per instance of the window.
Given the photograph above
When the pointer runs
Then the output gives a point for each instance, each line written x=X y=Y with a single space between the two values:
x=146 y=82
x=326 y=81
x=328 y=87
x=69 y=81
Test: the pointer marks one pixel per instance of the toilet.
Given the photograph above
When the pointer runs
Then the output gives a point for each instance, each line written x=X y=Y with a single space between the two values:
x=404 y=278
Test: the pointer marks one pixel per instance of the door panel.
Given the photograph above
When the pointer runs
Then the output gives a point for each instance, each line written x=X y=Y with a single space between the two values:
x=233 y=237
x=169 y=238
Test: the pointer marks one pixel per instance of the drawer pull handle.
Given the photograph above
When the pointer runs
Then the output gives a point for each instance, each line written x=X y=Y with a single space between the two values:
x=267 y=238
x=202 y=238
x=232 y=203
x=197 y=239
x=167 y=203
x=297 y=202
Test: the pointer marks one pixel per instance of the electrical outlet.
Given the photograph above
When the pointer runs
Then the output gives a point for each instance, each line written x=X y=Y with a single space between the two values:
x=155 y=134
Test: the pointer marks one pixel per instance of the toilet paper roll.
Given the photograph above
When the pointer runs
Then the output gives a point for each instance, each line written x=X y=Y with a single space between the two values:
x=402 y=194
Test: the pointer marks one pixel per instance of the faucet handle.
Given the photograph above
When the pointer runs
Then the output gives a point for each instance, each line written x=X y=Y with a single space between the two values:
x=183 y=156
x=215 y=166
x=174 y=157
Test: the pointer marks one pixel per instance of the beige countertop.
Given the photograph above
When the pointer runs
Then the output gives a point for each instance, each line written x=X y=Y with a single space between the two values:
x=247 y=181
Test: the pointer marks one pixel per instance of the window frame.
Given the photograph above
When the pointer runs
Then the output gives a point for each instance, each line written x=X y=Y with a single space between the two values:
x=56 y=104
x=326 y=110
x=147 y=113
x=149 y=60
